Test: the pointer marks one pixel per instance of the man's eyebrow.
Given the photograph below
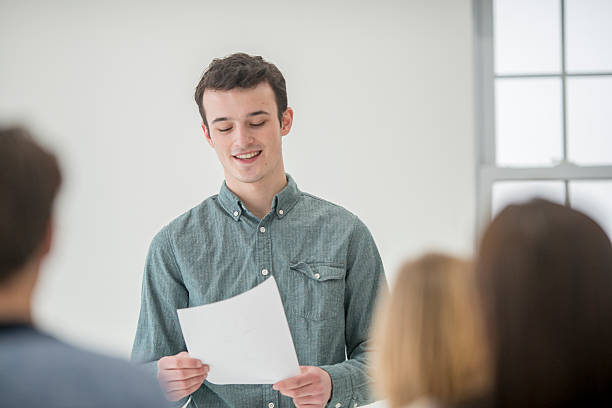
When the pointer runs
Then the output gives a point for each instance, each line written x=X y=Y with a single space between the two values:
x=219 y=120
x=259 y=112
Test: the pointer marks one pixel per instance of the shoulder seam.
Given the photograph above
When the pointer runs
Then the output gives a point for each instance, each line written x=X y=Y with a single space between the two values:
x=350 y=243
x=325 y=201
x=171 y=245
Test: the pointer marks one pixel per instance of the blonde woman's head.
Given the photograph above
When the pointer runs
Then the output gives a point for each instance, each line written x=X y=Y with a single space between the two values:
x=427 y=334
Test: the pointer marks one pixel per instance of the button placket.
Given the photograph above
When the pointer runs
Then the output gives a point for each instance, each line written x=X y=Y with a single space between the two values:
x=264 y=250
x=270 y=397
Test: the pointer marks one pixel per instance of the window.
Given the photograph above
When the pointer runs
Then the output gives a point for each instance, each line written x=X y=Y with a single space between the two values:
x=544 y=104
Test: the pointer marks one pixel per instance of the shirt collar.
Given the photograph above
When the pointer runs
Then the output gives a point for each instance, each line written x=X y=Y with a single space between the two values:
x=15 y=325
x=282 y=203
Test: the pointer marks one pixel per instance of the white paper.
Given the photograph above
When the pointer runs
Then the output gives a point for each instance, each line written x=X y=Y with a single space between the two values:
x=244 y=339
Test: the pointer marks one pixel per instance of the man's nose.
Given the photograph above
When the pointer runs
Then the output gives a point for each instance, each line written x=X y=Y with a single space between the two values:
x=243 y=136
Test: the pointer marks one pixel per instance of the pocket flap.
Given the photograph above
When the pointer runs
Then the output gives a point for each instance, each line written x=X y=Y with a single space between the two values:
x=319 y=272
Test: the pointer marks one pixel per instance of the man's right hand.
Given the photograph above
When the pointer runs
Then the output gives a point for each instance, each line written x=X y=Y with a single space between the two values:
x=180 y=375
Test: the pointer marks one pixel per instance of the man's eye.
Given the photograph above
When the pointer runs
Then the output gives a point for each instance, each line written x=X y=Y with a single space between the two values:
x=225 y=130
x=258 y=124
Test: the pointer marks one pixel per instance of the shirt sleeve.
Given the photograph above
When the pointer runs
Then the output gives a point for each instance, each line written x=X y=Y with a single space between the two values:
x=158 y=333
x=365 y=277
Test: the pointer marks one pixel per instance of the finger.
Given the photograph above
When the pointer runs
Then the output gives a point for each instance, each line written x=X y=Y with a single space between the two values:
x=182 y=374
x=315 y=389
x=174 y=362
x=309 y=405
x=311 y=400
x=293 y=382
x=177 y=395
x=193 y=389
x=184 y=384
x=306 y=391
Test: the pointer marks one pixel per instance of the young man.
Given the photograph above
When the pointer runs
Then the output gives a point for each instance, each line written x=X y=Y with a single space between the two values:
x=37 y=370
x=324 y=259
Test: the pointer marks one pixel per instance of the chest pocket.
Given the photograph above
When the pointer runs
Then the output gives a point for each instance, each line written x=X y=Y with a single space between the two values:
x=317 y=290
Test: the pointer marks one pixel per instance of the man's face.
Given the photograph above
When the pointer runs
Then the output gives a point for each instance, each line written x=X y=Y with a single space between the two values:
x=244 y=130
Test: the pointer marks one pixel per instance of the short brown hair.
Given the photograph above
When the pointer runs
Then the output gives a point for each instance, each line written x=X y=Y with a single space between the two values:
x=545 y=277
x=29 y=181
x=428 y=336
x=241 y=70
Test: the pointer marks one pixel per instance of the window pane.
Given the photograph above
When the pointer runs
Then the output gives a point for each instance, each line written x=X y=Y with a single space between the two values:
x=512 y=192
x=528 y=122
x=589 y=120
x=593 y=197
x=527 y=36
x=588 y=33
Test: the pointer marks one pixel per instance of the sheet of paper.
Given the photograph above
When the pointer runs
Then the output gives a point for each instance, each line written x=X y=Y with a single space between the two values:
x=244 y=339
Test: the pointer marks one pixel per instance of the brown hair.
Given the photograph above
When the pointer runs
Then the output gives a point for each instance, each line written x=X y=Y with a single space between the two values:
x=545 y=277
x=427 y=335
x=241 y=70
x=29 y=181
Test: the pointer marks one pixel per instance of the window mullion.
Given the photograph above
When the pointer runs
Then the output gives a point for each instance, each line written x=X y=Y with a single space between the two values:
x=563 y=84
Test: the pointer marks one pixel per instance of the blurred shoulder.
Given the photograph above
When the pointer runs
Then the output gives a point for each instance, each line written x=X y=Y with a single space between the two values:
x=48 y=372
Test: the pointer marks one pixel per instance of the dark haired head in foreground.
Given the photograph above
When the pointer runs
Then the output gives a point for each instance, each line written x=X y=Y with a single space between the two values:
x=545 y=276
x=29 y=181
x=37 y=370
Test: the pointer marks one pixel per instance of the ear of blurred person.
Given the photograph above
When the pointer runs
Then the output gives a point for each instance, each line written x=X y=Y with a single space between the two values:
x=38 y=370
x=544 y=273
x=429 y=347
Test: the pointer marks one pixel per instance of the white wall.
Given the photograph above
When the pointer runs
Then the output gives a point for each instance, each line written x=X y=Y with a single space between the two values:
x=382 y=93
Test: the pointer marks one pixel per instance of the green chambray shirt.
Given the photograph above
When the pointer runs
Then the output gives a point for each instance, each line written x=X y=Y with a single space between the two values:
x=328 y=272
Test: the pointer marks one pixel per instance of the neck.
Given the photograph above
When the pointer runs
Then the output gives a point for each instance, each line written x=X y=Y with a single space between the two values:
x=16 y=296
x=258 y=196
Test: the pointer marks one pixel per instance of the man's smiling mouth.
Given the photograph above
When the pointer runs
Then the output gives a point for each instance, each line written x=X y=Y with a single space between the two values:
x=249 y=155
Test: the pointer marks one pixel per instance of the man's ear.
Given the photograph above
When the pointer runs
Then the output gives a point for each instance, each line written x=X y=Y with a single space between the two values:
x=286 y=121
x=207 y=135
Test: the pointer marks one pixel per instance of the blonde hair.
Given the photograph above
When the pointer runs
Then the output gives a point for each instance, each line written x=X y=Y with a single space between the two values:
x=427 y=336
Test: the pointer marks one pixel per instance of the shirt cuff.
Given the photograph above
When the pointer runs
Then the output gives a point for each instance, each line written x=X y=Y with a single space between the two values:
x=342 y=387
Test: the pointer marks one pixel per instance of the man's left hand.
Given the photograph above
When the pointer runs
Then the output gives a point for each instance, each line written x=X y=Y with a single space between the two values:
x=312 y=388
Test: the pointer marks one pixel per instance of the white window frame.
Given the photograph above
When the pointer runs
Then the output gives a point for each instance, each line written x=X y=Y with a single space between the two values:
x=487 y=170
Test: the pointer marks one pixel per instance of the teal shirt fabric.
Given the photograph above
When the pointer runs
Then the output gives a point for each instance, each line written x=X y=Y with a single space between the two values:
x=325 y=263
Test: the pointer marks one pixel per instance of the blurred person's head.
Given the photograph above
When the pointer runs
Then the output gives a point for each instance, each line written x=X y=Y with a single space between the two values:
x=29 y=181
x=428 y=336
x=545 y=278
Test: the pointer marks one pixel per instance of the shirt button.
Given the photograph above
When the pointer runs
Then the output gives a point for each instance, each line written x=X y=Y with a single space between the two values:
x=262 y=229
x=236 y=213
x=280 y=212
x=271 y=405
x=317 y=276
x=338 y=405
x=265 y=272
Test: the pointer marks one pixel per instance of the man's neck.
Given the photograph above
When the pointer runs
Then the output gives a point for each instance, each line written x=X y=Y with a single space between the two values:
x=258 y=196
x=16 y=296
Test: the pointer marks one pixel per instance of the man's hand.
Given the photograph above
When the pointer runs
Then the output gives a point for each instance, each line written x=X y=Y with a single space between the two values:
x=180 y=375
x=312 y=388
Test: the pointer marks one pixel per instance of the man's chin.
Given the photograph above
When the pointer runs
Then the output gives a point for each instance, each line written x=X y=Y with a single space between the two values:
x=247 y=178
